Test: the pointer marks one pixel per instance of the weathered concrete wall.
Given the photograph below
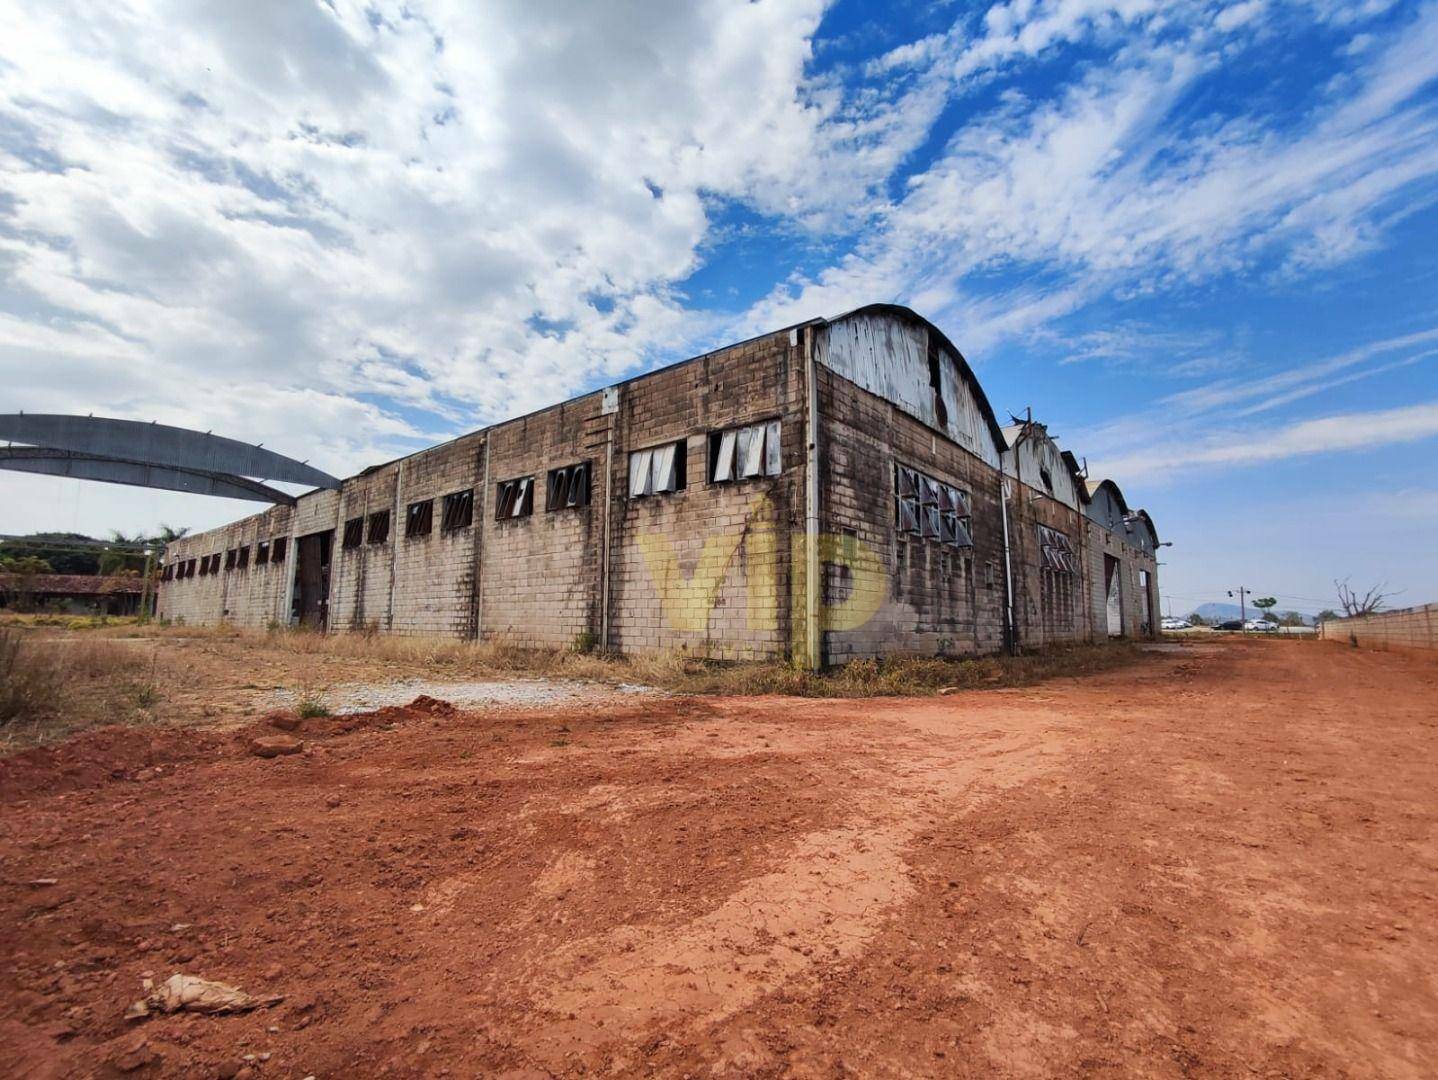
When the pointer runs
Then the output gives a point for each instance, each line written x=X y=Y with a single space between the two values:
x=540 y=573
x=885 y=592
x=717 y=567
x=708 y=569
x=253 y=596
x=1406 y=628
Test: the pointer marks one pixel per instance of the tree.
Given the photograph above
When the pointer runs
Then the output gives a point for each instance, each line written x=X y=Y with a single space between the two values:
x=1292 y=618
x=1196 y=619
x=60 y=550
x=24 y=564
x=1325 y=615
x=1357 y=604
x=1265 y=604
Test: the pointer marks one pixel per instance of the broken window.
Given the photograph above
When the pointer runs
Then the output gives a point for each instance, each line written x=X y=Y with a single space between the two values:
x=262 y=553
x=277 y=550
x=657 y=470
x=931 y=509
x=743 y=453
x=230 y=559
x=514 y=498
x=244 y=557
x=1056 y=551
x=419 y=518
x=354 y=533
x=1047 y=478
x=458 y=511
x=568 y=488
x=167 y=574
x=204 y=566
x=190 y=568
x=379 y=527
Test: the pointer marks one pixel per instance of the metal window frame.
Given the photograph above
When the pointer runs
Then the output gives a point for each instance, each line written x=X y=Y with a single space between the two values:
x=377 y=527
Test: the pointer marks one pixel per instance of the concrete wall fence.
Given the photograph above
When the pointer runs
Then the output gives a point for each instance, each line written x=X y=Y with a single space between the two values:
x=826 y=492
x=1409 y=628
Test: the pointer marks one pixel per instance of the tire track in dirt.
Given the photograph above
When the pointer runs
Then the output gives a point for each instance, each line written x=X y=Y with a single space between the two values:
x=838 y=886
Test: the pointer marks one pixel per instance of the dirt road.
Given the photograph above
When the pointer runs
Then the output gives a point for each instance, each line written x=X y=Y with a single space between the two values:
x=1220 y=863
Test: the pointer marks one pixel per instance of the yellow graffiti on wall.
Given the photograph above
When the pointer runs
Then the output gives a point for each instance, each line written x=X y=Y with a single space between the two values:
x=857 y=571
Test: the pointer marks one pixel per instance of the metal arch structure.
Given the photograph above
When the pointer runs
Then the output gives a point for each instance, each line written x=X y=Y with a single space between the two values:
x=150 y=455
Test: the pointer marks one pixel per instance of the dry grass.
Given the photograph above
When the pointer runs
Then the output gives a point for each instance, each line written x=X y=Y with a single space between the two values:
x=53 y=685
x=58 y=679
x=679 y=672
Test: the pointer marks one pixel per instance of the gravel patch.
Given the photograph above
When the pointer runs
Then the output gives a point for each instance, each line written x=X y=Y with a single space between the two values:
x=344 y=698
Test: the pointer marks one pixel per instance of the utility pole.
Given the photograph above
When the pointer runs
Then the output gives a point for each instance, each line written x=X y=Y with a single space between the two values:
x=1242 y=605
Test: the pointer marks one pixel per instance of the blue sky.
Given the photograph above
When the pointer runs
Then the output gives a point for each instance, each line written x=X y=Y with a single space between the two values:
x=1196 y=238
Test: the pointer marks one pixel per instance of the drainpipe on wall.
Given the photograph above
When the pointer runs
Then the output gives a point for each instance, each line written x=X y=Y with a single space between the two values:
x=811 y=509
x=481 y=542
x=608 y=517
x=1011 y=630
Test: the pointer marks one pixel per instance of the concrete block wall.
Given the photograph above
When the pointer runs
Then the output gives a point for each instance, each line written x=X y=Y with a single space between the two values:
x=1406 y=628
x=716 y=570
x=1056 y=610
x=362 y=578
x=434 y=591
x=935 y=600
x=253 y=596
x=708 y=570
x=1098 y=543
x=540 y=574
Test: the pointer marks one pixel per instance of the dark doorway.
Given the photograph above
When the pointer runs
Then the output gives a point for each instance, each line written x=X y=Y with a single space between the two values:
x=312 y=579
x=1113 y=588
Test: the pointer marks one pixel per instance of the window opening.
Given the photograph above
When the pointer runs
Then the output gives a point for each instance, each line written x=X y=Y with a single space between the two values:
x=567 y=488
x=354 y=533
x=657 y=470
x=379 y=527
x=514 y=498
x=458 y=511
x=419 y=518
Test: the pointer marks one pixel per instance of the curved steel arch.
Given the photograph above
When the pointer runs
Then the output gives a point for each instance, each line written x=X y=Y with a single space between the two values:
x=39 y=459
x=158 y=445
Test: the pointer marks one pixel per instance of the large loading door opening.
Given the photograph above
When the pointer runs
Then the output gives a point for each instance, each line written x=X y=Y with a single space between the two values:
x=1113 y=585
x=312 y=579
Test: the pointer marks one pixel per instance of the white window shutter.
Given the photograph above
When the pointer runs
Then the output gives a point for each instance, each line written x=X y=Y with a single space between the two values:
x=640 y=481
x=724 y=463
x=773 y=464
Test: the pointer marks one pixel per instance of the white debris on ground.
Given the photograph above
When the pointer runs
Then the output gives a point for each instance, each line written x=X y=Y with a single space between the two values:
x=342 y=698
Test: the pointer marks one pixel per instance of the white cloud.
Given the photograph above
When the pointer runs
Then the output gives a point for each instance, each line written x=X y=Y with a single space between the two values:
x=346 y=228
x=1236 y=447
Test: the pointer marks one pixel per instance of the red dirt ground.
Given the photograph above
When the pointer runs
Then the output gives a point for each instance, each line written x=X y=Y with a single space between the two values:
x=1221 y=863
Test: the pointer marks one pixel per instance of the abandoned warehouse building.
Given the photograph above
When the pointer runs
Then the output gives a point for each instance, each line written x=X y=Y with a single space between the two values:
x=830 y=491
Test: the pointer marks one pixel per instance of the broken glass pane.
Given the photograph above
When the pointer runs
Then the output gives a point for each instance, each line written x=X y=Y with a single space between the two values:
x=908 y=483
x=932 y=526
x=908 y=516
x=962 y=536
x=928 y=490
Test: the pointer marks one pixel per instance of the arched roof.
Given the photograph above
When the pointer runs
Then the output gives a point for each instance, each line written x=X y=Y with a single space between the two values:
x=1142 y=515
x=965 y=371
x=1091 y=488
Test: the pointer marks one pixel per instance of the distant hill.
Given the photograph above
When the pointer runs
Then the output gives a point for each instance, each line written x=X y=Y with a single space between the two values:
x=1217 y=612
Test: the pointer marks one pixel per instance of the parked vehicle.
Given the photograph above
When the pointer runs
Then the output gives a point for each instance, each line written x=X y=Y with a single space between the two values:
x=1261 y=626
x=1232 y=624
x=1170 y=623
